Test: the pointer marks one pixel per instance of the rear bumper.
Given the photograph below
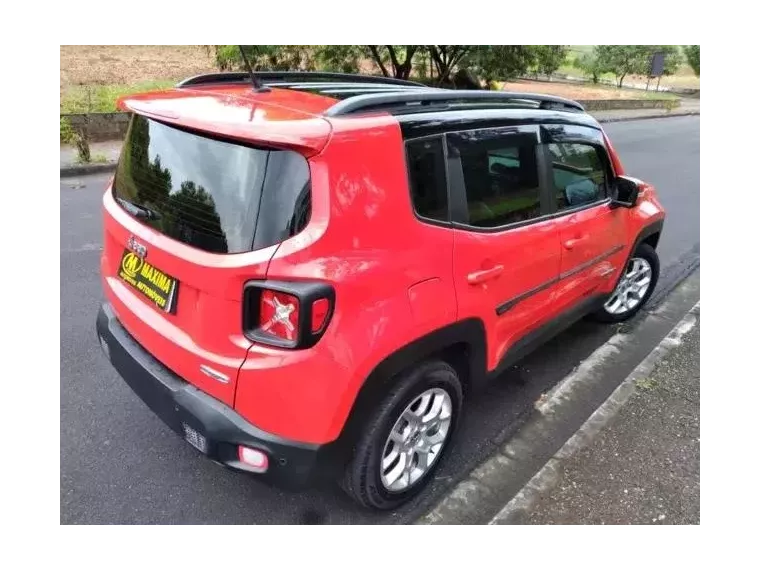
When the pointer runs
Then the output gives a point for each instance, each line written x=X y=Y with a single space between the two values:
x=189 y=412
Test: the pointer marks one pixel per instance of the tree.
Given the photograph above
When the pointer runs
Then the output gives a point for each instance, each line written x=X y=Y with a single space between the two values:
x=270 y=58
x=501 y=62
x=446 y=58
x=590 y=65
x=635 y=60
x=692 y=57
x=400 y=58
x=549 y=58
x=343 y=59
x=621 y=60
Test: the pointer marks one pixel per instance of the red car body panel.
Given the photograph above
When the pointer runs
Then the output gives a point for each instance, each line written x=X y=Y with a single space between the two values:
x=493 y=268
x=377 y=258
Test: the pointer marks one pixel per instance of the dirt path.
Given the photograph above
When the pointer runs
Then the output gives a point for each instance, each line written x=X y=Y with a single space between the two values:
x=97 y=65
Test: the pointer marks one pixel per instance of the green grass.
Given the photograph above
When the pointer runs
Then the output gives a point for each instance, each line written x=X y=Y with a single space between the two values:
x=102 y=98
x=97 y=158
x=660 y=95
x=684 y=77
x=639 y=93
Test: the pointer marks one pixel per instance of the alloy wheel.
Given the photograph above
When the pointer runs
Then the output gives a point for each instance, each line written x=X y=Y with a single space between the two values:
x=632 y=287
x=416 y=440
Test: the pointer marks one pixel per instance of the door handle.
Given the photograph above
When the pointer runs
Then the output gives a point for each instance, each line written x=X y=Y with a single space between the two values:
x=477 y=277
x=571 y=243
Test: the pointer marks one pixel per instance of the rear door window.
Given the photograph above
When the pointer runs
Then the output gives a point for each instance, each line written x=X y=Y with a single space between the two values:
x=500 y=177
x=214 y=195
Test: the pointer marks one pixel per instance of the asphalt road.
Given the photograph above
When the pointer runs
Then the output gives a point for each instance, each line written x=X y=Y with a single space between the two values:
x=120 y=464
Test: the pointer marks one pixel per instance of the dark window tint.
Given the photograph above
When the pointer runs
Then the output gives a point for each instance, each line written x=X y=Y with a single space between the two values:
x=210 y=193
x=579 y=174
x=501 y=180
x=427 y=177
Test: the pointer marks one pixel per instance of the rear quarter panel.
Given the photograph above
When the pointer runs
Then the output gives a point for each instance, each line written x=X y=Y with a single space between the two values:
x=391 y=274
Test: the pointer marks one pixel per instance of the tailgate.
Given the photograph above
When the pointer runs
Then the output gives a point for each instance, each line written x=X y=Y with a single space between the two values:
x=188 y=220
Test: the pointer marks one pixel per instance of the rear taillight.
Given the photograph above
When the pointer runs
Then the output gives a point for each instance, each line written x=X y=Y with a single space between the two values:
x=285 y=314
x=278 y=314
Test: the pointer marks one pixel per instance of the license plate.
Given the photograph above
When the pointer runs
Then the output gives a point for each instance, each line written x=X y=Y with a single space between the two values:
x=195 y=438
x=147 y=279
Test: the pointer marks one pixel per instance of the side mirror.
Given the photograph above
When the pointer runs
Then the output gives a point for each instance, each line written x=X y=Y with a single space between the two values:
x=625 y=192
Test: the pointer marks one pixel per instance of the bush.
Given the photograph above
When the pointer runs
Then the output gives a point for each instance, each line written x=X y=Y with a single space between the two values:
x=102 y=98
x=67 y=133
x=692 y=56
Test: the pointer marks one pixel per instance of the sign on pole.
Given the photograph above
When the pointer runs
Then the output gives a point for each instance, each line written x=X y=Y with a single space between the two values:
x=657 y=66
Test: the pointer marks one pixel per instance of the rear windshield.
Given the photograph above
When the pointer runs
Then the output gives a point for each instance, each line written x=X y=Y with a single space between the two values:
x=213 y=195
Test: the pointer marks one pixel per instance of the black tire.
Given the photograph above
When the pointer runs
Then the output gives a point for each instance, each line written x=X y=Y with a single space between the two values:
x=362 y=478
x=648 y=253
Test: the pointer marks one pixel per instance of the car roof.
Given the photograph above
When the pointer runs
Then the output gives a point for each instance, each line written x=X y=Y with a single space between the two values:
x=297 y=109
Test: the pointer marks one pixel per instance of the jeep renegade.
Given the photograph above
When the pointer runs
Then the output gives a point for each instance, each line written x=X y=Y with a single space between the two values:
x=304 y=277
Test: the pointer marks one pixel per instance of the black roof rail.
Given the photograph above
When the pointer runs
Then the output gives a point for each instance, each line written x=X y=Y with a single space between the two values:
x=268 y=77
x=417 y=99
x=308 y=76
x=210 y=78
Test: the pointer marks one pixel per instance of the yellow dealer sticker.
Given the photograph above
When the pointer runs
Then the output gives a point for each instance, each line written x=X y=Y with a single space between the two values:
x=149 y=280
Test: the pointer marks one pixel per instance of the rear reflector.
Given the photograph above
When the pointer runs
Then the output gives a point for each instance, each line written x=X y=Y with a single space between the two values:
x=319 y=310
x=255 y=460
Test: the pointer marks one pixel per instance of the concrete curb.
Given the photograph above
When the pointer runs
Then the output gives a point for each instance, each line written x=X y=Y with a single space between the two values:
x=84 y=169
x=536 y=447
x=549 y=474
x=642 y=118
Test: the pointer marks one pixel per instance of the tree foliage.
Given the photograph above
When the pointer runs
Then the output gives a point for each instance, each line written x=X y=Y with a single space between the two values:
x=624 y=60
x=590 y=65
x=271 y=58
x=501 y=62
x=394 y=61
x=549 y=58
x=446 y=58
x=620 y=60
x=343 y=59
x=692 y=57
x=447 y=62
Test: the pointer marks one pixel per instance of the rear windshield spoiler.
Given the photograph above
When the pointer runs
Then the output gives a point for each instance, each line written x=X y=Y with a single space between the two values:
x=247 y=123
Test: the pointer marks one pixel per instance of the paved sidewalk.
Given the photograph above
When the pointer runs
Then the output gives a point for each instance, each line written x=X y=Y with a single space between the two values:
x=643 y=467
x=66 y=161
x=109 y=150
x=638 y=114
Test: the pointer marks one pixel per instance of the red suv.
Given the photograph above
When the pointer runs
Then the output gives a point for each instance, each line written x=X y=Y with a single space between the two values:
x=305 y=273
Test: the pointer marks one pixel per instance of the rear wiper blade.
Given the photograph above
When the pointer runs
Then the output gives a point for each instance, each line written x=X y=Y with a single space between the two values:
x=138 y=211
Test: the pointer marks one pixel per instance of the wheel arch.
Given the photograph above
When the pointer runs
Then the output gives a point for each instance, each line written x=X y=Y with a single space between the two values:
x=461 y=344
x=649 y=234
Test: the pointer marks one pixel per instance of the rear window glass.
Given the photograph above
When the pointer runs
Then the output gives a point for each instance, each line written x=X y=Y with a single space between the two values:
x=214 y=195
